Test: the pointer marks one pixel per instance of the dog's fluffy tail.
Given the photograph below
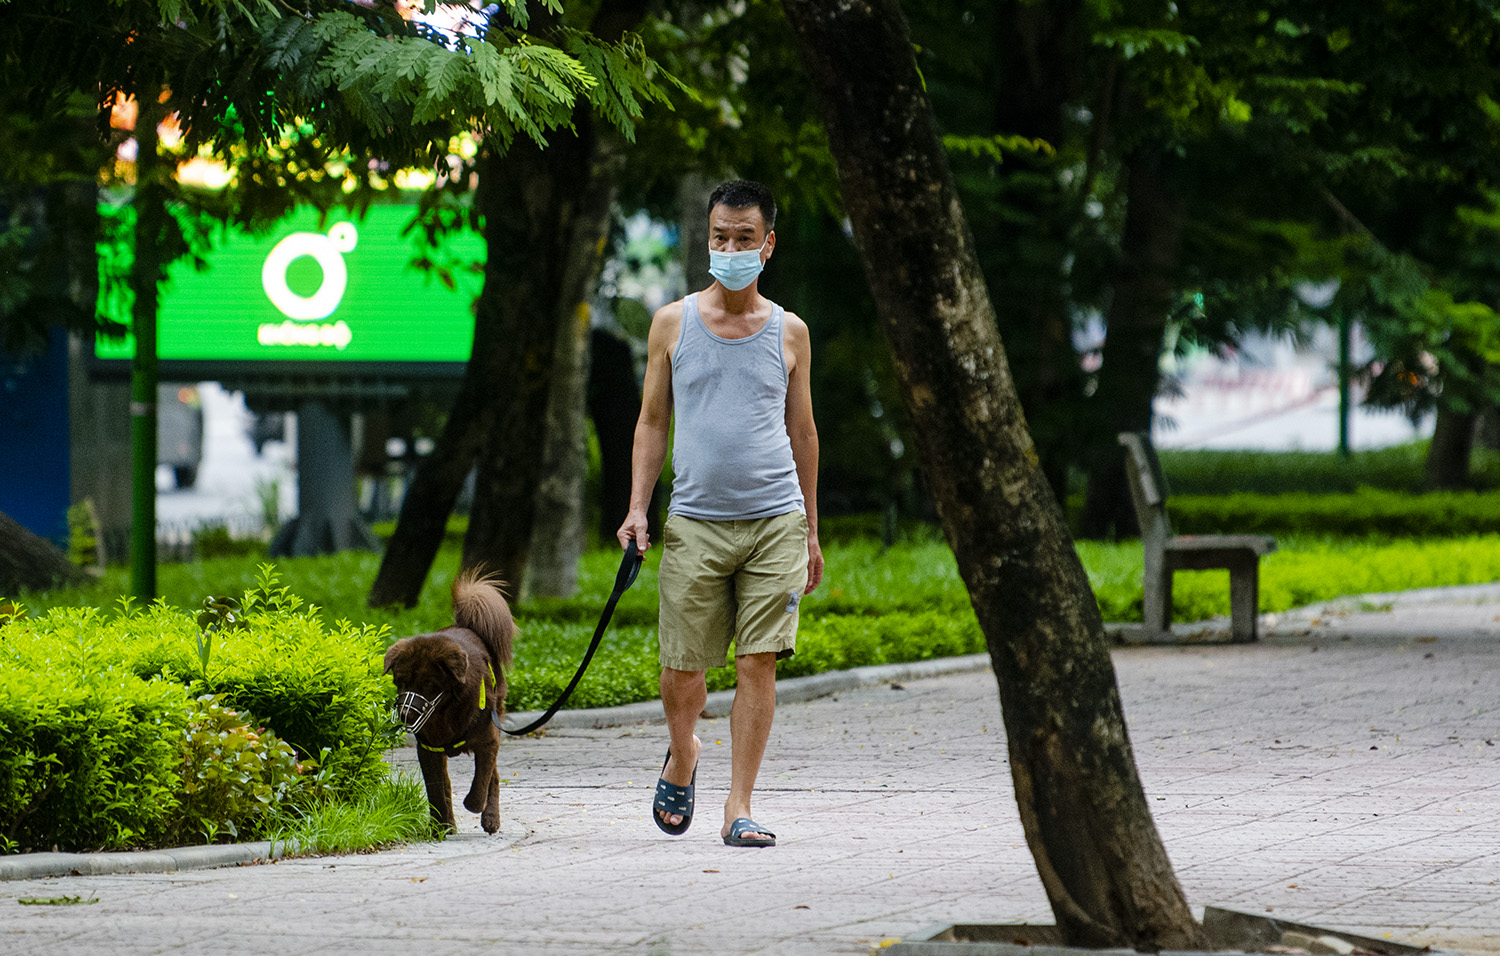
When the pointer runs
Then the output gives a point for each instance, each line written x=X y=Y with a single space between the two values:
x=479 y=606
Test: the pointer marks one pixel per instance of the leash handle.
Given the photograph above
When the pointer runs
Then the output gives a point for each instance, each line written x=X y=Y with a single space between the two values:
x=630 y=566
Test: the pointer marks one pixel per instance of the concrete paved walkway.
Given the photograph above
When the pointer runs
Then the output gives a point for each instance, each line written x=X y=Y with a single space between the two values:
x=1345 y=772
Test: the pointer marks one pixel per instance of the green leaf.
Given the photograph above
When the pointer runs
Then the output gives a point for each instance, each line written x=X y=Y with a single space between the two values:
x=1132 y=42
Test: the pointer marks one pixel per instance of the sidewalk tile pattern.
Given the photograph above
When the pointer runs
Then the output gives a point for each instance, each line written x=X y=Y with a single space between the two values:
x=1346 y=775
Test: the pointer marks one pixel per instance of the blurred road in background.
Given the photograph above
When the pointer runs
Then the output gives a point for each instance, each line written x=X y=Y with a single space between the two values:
x=1275 y=396
x=232 y=478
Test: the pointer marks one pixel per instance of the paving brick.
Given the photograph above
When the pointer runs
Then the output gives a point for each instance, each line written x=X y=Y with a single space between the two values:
x=894 y=810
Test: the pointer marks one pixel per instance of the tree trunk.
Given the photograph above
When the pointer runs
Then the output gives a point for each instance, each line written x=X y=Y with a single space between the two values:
x=29 y=562
x=1129 y=375
x=1097 y=851
x=545 y=226
x=531 y=200
x=557 y=533
x=692 y=224
x=1452 y=443
x=557 y=538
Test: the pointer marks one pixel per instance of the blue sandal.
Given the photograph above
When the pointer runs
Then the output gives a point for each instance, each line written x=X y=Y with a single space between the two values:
x=744 y=825
x=670 y=798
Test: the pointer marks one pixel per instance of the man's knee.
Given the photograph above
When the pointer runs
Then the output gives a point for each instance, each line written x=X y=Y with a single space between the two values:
x=676 y=682
x=755 y=668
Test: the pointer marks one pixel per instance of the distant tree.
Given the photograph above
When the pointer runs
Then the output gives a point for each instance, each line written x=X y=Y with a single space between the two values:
x=1191 y=147
x=289 y=92
x=1371 y=125
x=546 y=214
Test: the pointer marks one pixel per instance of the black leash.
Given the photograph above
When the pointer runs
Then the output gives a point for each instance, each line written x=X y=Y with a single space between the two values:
x=630 y=565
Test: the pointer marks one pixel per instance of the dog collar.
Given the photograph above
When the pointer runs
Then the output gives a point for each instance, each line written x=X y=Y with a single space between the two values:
x=456 y=748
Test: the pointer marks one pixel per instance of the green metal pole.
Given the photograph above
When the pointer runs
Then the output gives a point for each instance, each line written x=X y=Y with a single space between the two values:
x=1344 y=338
x=145 y=272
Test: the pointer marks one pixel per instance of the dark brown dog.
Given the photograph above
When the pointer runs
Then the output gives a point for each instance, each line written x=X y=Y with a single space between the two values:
x=450 y=688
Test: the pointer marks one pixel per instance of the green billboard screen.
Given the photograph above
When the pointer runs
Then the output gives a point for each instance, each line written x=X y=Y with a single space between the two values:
x=342 y=295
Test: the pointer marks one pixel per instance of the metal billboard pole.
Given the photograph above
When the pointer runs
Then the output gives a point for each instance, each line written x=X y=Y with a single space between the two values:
x=144 y=275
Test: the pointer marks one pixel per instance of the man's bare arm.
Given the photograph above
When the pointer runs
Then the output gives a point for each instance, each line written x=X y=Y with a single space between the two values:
x=649 y=451
x=803 y=432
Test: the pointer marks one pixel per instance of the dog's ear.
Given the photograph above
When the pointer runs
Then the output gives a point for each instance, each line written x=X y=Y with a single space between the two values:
x=394 y=652
x=455 y=662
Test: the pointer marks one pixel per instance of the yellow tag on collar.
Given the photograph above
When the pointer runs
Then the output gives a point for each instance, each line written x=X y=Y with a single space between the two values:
x=482 y=698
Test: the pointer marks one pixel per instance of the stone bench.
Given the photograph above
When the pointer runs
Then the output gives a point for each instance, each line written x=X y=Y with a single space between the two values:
x=1167 y=553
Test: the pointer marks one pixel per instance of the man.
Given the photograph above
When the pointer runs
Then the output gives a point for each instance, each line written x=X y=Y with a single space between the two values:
x=741 y=535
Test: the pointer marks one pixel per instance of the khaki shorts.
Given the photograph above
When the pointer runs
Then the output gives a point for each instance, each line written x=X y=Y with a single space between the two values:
x=723 y=581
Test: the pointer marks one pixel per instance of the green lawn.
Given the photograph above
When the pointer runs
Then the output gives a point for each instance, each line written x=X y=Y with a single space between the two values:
x=876 y=604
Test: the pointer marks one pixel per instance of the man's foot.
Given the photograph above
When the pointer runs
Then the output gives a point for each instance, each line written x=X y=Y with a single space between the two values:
x=672 y=808
x=743 y=831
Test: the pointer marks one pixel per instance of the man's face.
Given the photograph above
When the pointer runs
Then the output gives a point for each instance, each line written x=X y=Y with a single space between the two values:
x=735 y=230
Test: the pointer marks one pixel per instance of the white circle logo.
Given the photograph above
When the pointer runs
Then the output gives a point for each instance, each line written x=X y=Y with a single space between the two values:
x=328 y=252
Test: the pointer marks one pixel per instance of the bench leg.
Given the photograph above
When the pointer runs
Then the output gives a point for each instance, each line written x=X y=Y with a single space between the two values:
x=1157 y=610
x=1244 y=599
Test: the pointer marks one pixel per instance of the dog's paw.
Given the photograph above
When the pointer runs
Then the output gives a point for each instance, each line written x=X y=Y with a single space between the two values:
x=490 y=820
x=446 y=822
x=473 y=802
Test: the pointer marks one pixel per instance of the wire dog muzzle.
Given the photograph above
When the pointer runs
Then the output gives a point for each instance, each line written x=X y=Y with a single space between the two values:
x=414 y=710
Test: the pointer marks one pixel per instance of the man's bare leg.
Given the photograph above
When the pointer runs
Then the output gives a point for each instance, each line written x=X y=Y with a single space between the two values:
x=749 y=729
x=683 y=695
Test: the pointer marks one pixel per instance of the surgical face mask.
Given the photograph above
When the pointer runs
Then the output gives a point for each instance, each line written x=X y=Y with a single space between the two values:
x=736 y=270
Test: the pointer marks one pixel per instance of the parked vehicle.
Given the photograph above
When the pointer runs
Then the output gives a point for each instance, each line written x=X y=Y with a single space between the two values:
x=269 y=426
x=179 y=430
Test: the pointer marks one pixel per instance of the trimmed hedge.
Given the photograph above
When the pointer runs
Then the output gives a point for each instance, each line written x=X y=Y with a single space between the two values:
x=1368 y=511
x=1395 y=468
x=86 y=759
x=107 y=718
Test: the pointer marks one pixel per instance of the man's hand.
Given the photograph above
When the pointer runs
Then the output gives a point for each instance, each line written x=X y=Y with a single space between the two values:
x=634 y=529
x=814 y=564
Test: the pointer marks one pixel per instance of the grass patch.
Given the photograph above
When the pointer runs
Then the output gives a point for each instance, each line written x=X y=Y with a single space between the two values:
x=876 y=605
x=390 y=812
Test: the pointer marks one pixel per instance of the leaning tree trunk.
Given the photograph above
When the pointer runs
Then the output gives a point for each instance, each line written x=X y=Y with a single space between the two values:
x=531 y=198
x=498 y=420
x=1129 y=374
x=29 y=562
x=1097 y=851
x=545 y=232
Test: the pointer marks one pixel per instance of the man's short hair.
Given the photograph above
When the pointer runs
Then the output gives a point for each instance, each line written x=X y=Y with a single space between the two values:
x=742 y=194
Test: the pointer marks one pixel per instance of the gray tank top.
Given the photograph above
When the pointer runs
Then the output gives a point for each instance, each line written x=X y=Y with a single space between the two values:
x=730 y=451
